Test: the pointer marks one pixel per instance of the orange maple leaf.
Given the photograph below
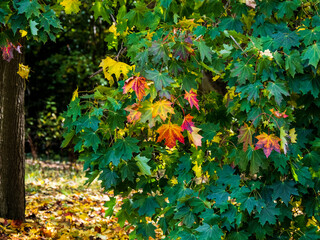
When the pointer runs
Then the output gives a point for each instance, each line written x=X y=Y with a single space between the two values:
x=171 y=133
x=268 y=143
x=134 y=114
x=195 y=137
x=138 y=84
x=245 y=136
x=162 y=108
x=192 y=98
x=187 y=123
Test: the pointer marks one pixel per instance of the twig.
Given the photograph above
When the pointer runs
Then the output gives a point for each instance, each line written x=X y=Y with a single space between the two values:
x=238 y=45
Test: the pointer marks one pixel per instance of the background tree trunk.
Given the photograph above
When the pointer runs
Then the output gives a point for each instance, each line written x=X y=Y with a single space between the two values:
x=12 y=188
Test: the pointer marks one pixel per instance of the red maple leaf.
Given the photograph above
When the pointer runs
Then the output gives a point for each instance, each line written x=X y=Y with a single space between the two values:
x=268 y=143
x=138 y=84
x=187 y=123
x=7 y=52
x=192 y=98
x=171 y=133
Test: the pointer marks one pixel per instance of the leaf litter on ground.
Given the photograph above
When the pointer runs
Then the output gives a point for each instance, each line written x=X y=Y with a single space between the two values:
x=59 y=206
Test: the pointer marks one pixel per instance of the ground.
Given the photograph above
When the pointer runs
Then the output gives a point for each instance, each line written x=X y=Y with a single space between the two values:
x=60 y=206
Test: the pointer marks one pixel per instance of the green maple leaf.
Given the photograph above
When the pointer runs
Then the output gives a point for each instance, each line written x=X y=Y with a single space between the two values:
x=29 y=8
x=142 y=163
x=147 y=230
x=287 y=8
x=284 y=190
x=312 y=160
x=147 y=206
x=4 y=11
x=207 y=232
x=257 y=160
x=205 y=51
x=112 y=156
x=184 y=235
x=219 y=195
x=87 y=121
x=268 y=214
x=231 y=23
x=160 y=52
x=309 y=36
x=250 y=203
x=110 y=206
x=250 y=91
x=74 y=109
x=293 y=63
x=67 y=138
x=48 y=19
x=243 y=71
x=116 y=119
x=91 y=139
x=126 y=147
x=100 y=9
x=286 y=40
x=161 y=80
x=33 y=28
x=209 y=216
x=242 y=235
x=128 y=171
x=312 y=53
x=108 y=178
x=209 y=131
x=227 y=177
x=277 y=89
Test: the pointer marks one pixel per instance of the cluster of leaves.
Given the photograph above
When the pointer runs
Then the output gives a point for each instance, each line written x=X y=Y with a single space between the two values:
x=225 y=181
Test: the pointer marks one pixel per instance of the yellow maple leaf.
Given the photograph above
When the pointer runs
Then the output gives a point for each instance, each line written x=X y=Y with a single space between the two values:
x=71 y=6
x=197 y=169
x=111 y=66
x=23 y=33
x=23 y=71
x=293 y=135
x=162 y=108
x=74 y=95
x=174 y=180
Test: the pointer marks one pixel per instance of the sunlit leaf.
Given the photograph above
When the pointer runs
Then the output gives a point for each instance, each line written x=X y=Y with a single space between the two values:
x=162 y=108
x=268 y=143
x=191 y=96
x=171 y=133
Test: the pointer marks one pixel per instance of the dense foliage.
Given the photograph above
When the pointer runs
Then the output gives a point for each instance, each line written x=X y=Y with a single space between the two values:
x=210 y=122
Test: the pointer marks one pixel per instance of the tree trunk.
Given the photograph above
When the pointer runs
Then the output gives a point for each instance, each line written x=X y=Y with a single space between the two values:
x=12 y=188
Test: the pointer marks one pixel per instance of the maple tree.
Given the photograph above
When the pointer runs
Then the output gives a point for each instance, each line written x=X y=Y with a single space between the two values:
x=219 y=73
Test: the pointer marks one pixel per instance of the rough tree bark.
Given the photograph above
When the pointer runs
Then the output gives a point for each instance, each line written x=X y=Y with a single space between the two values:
x=12 y=159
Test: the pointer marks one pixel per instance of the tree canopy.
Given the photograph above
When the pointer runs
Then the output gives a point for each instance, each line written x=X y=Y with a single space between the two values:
x=209 y=119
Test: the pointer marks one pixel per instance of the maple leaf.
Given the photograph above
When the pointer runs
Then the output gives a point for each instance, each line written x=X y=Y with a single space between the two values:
x=23 y=71
x=268 y=143
x=138 y=84
x=171 y=133
x=111 y=66
x=134 y=114
x=195 y=137
x=278 y=114
x=245 y=136
x=162 y=108
x=71 y=6
x=284 y=143
x=192 y=98
x=293 y=135
x=187 y=123
x=7 y=51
